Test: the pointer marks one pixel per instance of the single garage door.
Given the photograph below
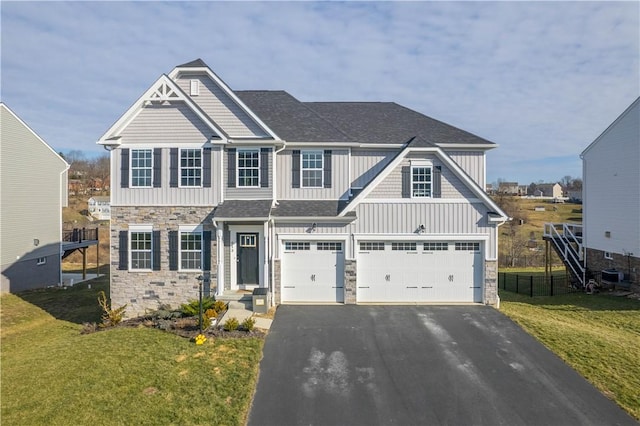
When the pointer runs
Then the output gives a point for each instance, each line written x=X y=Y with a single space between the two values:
x=421 y=271
x=312 y=271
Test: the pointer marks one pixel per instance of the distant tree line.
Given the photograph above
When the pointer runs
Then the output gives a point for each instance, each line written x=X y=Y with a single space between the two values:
x=87 y=176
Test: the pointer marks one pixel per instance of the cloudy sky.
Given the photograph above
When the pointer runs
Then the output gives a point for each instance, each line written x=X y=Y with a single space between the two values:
x=540 y=79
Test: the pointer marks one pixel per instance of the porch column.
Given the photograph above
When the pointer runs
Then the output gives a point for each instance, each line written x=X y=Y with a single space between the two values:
x=267 y=254
x=220 y=259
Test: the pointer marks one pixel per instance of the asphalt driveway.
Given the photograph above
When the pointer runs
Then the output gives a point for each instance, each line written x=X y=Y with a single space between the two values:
x=417 y=365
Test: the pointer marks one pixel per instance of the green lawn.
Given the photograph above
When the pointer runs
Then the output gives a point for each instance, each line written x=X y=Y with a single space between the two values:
x=52 y=374
x=598 y=335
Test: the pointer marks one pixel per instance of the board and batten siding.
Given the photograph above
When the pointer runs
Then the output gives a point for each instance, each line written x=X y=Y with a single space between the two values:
x=366 y=164
x=244 y=193
x=451 y=185
x=611 y=187
x=228 y=115
x=472 y=162
x=339 y=177
x=166 y=124
x=165 y=195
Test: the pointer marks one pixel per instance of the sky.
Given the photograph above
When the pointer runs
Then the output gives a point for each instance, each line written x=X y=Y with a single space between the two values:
x=542 y=80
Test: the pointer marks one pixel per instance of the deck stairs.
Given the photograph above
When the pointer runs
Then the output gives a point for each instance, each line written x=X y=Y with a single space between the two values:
x=566 y=240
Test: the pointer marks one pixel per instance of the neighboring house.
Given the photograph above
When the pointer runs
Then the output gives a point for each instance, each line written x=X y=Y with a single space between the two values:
x=611 y=196
x=510 y=188
x=33 y=190
x=575 y=195
x=346 y=202
x=100 y=207
x=551 y=190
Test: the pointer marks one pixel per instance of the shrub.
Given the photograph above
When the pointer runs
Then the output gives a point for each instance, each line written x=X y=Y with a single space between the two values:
x=211 y=313
x=231 y=324
x=192 y=309
x=248 y=324
x=219 y=306
x=110 y=317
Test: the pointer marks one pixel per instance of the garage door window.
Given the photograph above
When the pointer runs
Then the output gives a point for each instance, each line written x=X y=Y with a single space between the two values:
x=467 y=246
x=297 y=245
x=329 y=246
x=436 y=246
x=404 y=246
x=372 y=246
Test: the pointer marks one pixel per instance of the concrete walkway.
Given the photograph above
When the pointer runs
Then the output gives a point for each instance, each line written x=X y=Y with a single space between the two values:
x=70 y=279
x=242 y=314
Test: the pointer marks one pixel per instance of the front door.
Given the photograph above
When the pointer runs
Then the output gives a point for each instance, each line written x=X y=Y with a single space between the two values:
x=248 y=259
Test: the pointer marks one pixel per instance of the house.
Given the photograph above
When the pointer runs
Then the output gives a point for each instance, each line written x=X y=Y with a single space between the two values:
x=551 y=190
x=340 y=202
x=510 y=188
x=33 y=190
x=99 y=207
x=611 y=197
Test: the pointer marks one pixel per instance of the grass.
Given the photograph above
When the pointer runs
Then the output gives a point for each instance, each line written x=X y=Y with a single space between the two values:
x=597 y=335
x=52 y=374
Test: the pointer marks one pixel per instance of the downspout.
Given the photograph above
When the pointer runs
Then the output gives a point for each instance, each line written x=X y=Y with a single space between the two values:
x=219 y=265
x=271 y=221
x=64 y=187
x=498 y=225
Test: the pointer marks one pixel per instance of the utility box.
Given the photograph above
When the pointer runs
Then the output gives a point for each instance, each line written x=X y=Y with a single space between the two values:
x=260 y=300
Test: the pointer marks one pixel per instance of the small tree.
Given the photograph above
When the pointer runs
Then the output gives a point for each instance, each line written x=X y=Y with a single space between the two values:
x=110 y=317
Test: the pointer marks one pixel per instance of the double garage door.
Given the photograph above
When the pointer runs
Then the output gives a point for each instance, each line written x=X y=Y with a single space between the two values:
x=387 y=271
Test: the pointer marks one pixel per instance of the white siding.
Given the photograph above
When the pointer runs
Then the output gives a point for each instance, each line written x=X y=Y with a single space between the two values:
x=472 y=162
x=243 y=193
x=611 y=169
x=366 y=164
x=166 y=124
x=232 y=119
x=165 y=195
x=339 y=178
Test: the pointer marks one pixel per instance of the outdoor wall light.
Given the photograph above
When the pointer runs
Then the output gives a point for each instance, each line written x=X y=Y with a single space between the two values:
x=421 y=228
x=36 y=242
x=314 y=226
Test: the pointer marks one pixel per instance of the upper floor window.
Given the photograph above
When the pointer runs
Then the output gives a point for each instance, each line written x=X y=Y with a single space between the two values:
x=421 y=181
x=190 y=167
x=141 y=167
x=249 y=168
x=312 y=169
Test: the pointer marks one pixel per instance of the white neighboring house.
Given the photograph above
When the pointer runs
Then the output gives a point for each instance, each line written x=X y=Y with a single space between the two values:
x=551 y=190
x=611 y=196
x=100 y=207
x=33 y=190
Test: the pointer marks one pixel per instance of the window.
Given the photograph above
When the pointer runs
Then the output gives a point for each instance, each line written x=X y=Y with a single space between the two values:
x=421 y=181
x=190 y=167
x=404 y=246
x=191 y=249
x=436 y=246
x=141 y=249
x=312 y=169
x=608 y=255
x=41 y=261
x=248 y=168
x=467 y=246
x=297 y=246
x=141 y=167
x=329 y=246
x=372 y=246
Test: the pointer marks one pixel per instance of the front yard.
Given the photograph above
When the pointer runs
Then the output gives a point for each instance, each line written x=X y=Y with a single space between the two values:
x=52 y=374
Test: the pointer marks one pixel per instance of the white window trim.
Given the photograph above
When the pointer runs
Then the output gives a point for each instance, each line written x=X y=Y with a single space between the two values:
x=131 y=185
x=422 y=164
x=190 y=229
x=139 y=228
x=608 y=255
x=41 y=261
x=180 y=185
x=238 y=151
x=302 y=169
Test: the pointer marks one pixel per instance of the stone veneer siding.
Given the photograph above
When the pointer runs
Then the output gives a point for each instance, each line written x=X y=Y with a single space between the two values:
x=350 y=268
x=147 y=291
x=277 y=281
x=596 y=262
x=491 y=282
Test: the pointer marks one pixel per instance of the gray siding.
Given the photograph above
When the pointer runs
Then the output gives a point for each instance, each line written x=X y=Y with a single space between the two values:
x=166 y=124
x=232 y=119
x=165 y=195
x=339 y=177
x=247 y=193
x=391 y=186
x=26 y=274
x=472 y=162
x=366 y=164
x=31 y=199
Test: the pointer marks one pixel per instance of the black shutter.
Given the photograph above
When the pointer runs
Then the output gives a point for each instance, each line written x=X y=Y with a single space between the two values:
x=231 y=168
x=264 y=167
x=157 y=167
x=124 y=168
x=123 y=251
x=327 y=168
x=406 y=182
x=173 y=167
x=295 y=168
x=206 y=251
x=206 y=167
x=437 y=182
x=173 y=250
x=155 y=245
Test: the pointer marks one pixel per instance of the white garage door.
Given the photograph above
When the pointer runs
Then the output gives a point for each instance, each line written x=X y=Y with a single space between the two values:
x=312 y=271
x=424 y=271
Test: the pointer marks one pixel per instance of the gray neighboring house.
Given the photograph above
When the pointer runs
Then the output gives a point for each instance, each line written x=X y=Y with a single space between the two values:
x=319 y=202
x=33 y=190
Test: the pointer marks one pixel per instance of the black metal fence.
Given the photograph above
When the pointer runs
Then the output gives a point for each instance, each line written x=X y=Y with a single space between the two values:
x=536 y=285
x=78 y=235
